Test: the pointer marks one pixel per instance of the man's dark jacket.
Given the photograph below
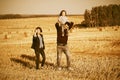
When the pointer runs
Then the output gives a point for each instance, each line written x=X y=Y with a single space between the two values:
x=62 y=39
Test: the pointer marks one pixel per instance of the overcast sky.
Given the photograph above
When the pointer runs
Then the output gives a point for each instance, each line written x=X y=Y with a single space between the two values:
x=50 y=6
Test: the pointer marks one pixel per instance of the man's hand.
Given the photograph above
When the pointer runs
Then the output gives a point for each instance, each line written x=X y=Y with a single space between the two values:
x=66 y=26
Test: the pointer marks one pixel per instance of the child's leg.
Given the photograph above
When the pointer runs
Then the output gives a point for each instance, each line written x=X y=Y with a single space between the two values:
x=43 y=57
x=37 y=59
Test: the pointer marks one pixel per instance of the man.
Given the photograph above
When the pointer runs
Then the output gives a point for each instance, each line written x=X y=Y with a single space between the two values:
x=62 y=38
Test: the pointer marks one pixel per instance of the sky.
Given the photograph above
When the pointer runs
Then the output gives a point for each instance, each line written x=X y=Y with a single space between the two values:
x=50 y=6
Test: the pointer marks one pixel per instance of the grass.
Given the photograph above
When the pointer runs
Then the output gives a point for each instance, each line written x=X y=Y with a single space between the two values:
x=95 y=55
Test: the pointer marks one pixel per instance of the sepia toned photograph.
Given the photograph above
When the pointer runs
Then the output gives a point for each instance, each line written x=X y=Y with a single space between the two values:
x=59 y=39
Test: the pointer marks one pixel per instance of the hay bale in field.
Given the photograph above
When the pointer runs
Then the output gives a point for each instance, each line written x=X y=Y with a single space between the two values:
x=116 y=29
x=25 y=34
x=100 y=29
x=7 y=36
x=49 y=29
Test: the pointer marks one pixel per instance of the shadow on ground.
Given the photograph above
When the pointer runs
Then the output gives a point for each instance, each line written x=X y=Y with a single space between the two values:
x=26 y=63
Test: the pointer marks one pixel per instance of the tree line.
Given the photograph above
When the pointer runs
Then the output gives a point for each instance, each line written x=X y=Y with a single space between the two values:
x=10 y=16
x=102 y=16
x=17 y=16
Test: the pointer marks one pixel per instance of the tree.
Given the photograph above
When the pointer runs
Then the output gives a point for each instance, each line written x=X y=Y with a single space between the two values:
x=94 y=13
x=115 y=14
x=103 y=16
x=87 y=17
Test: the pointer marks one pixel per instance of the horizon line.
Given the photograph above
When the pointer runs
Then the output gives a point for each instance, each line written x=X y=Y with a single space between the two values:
x=35 y=14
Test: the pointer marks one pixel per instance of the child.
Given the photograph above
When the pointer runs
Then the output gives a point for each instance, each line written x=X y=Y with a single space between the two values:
x=38 y=46
x=64 y=22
